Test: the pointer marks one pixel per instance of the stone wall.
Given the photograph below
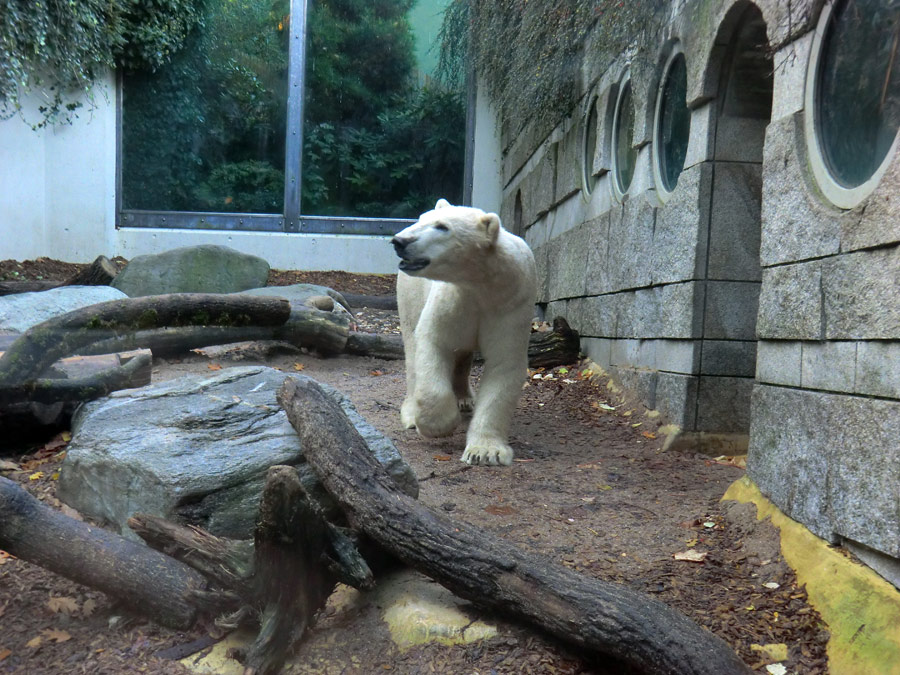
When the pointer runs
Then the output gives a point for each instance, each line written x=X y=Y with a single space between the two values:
x=743 y=304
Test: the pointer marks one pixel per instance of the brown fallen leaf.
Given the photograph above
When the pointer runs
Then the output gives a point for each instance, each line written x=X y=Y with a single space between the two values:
x=61 y=604
x=442 y=458
x=214 y=366
x=692 y=555
x=89 y=607
x=299 y=366
x=56 y=635
x=34 y=643
x=376 y=373
x=5 y=558
x=648 y=434
x=499 y=510
x=4 y=653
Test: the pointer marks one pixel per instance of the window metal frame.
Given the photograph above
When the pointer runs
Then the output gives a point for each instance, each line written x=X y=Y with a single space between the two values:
x=291 y=220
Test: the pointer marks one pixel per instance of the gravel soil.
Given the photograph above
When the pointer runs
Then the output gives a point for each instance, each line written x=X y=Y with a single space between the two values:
x=590 y=488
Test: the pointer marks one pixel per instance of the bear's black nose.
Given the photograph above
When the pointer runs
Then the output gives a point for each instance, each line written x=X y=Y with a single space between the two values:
x=399 y=245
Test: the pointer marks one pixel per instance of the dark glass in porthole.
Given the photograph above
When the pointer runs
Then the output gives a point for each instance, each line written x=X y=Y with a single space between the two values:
x=673 y=124
x=858 y=88
x=625 y=153
x=590 y=147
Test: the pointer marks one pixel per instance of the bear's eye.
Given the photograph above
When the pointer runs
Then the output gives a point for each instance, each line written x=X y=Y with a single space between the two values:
x=442 y=227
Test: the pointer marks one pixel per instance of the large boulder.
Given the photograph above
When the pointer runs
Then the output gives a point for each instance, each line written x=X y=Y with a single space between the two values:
x=196 y=450
x=21 y=311
x=192 y=269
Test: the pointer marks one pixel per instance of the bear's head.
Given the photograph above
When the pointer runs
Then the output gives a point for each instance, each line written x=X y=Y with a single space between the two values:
x=447 y=241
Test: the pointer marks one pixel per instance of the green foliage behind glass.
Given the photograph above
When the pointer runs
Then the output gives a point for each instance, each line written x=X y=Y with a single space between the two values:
x=61 y=47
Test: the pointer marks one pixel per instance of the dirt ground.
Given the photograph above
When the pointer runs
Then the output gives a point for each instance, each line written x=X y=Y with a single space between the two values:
x=590 y=489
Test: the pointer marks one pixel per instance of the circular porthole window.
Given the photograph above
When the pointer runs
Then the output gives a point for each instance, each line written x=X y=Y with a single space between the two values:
x=672 y=124
x=589 y=147
x=853 y=97
x=624 y=155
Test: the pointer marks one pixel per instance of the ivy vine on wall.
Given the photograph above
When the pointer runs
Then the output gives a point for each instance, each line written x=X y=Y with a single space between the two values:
x=529 y=53
x=59 y=47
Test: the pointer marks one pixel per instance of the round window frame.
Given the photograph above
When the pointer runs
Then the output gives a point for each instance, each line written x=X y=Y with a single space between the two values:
x=662 y=192
x=839 y=195
x=588 y=179
x=617 y=192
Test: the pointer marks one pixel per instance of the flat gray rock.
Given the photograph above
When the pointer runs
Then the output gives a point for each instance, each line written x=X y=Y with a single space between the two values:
x=21 y=311
x=299 y=295
x=196 y=450
x=192 y=269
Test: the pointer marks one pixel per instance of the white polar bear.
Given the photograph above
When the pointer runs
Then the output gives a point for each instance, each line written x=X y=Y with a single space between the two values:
x=466 y=284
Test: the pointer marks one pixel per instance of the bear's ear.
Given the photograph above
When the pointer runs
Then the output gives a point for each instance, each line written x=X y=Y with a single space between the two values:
x=491 y=224
x=441 y=204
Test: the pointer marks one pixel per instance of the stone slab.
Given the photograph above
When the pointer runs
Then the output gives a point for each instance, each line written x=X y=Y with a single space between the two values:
x=790 y=303
x=735 y=358
x=723 y=404
x=735 y=222
x=878 y=369
x=779 y=362
x=731 y=310
x=830 y=366
x=676 y=398
x=680 y=232
x=862 y=295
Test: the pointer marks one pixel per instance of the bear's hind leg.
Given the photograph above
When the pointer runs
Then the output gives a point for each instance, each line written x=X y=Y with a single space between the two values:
x=462 y=384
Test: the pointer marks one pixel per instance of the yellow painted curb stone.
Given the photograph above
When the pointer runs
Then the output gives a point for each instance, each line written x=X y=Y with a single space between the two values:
x=861 y=609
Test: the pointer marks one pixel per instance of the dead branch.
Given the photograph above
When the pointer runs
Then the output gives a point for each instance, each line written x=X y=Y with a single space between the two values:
x=586 y=612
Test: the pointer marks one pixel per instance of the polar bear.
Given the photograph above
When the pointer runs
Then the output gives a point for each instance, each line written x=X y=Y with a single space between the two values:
x=465 y=284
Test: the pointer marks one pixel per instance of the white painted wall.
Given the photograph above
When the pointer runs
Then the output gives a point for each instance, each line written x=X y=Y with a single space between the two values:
x=487 y=192
x=57 y=199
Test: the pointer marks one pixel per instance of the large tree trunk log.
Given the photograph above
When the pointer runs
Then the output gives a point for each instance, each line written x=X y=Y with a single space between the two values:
x=589 y=613
x=146 y=581
x=389 y=347
x=43 y=344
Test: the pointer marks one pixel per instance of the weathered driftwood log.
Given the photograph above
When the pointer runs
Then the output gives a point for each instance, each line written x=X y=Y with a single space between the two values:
x=323 y=332
x=145 y=581
x=41 y=345
x=591 y=614
x=389 y=347
x=135 y=372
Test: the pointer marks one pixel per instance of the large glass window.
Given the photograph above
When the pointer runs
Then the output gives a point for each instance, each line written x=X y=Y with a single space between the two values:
x=672 y=124
x=624 y=153
x=207 y=133
x=857 y=88
x=282 y=107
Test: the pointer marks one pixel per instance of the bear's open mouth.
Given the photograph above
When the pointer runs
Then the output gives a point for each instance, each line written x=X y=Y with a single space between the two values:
x=413 y=265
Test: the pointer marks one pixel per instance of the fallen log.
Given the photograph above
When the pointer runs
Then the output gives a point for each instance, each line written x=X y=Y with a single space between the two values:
x=145 y=581
x=323 y=332
x=559 y=347
x=101 y=272
x=372 y=301
x=42 y=345
x=591 y=614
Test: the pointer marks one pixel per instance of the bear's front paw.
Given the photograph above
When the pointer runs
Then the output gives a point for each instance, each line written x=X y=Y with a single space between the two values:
x=436 y=418
x=488 y=452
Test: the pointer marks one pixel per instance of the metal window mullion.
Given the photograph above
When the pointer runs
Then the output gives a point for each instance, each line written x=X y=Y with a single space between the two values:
x=293 y=145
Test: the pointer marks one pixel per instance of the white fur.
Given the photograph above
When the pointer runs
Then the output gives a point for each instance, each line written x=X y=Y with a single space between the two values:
x=476 y=292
